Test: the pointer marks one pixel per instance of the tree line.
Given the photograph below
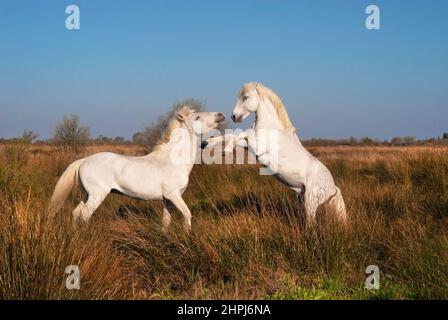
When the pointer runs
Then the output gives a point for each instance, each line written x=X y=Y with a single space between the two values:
x=366 y=141
x=72 y=135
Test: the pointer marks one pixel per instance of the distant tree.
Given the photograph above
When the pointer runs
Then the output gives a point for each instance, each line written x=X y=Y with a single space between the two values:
x=403 y=141
x=368 y=141
x=353 y=141
x=151 y=134
x=119 y=140
x=70 y=134
x=409 y=140
x=102 y=139
x=445 y=136
x=28 y=136
x=396 y=141
x=107 y=140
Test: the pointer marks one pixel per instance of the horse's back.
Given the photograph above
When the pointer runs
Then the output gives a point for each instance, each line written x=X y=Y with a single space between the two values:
x=102 y=162
x=100 y=169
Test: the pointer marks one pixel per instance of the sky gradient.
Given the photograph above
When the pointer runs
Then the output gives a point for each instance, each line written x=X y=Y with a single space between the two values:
x=132 y=59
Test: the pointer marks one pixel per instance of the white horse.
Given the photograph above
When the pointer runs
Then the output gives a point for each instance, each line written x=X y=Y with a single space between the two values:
x=294 y=165
x=162 y=175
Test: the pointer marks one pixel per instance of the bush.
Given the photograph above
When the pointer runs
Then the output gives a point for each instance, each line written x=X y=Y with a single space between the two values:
x=151 y=134
x=70 y=135
x=28 y=136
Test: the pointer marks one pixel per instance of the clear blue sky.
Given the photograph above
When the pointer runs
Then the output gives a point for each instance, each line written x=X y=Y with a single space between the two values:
x=132 y=59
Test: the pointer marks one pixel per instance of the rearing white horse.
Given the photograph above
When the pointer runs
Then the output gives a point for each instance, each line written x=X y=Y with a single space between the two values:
x=294 y=165
x=161 y=175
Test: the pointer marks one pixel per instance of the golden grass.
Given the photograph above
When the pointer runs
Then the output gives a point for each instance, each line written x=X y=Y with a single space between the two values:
x=245 y=243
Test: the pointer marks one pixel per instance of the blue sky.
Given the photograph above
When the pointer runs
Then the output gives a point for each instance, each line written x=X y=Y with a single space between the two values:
x=132 y=59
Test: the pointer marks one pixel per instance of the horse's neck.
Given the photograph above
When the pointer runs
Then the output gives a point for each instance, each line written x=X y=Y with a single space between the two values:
x=180 y=152
x=266 y=118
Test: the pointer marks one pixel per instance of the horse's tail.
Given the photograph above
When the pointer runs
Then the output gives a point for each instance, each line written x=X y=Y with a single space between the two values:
x=338 y=205
x=64 y=185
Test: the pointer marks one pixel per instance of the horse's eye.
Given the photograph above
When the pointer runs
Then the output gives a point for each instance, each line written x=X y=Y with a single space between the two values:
x=197 y=118
x=245 y=98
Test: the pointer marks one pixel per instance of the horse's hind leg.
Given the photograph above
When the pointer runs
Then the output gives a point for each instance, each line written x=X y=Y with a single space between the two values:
x=168 y=209
x=311 y=203
x=338 y=206
x=301 y=209
x=301 y=206
x=77 y=213
x=91 y=205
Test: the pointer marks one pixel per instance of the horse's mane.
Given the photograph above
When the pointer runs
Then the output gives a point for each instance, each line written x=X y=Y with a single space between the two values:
x=172 y=125
x=267 y=93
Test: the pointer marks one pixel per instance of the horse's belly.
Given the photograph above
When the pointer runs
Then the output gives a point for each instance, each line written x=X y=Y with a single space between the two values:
x=290 y=170
x=146 y=188
x=290 y=178
x=141 y=193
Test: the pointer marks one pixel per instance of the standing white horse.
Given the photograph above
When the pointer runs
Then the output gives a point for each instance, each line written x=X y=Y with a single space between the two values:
x=162 y=175
x=295 y=166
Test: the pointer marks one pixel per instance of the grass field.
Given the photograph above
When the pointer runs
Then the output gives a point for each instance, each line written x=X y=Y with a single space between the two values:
x=245 y=240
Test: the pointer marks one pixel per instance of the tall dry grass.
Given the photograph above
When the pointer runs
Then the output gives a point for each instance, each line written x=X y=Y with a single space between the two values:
x=246 y=241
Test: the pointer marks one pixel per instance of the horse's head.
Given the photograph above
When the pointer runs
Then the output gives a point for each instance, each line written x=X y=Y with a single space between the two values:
x=248 y=102
x=199 y=122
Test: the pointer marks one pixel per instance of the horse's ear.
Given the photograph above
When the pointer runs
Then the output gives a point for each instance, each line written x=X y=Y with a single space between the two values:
x=180 y=117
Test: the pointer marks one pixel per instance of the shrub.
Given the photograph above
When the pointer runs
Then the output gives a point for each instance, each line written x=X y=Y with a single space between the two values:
x=70 y=134
x=151 y=134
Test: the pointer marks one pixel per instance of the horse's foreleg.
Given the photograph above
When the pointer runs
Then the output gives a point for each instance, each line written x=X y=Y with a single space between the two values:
x=177 y=201
x=168 y=209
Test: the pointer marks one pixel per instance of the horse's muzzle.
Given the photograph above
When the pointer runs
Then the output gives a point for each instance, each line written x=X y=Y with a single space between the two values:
x=204 y=144
x=235 y=119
